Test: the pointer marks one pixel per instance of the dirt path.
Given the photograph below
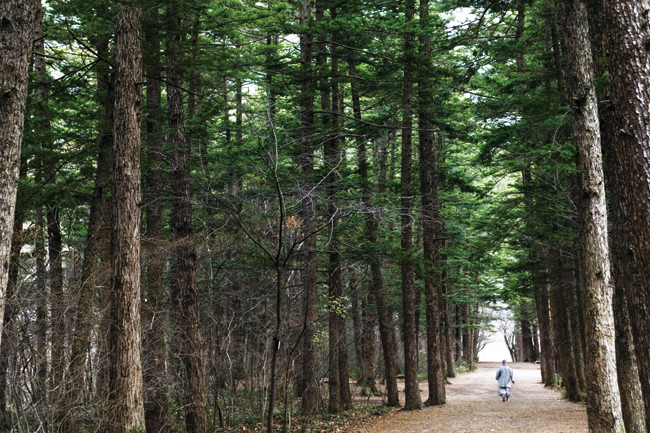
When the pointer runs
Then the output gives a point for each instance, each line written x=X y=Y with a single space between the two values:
x=473 y=406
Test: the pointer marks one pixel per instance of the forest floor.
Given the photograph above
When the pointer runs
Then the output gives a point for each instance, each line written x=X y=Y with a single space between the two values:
x=473 y=406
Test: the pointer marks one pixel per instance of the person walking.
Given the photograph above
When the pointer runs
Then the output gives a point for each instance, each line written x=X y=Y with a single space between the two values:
x=505 y=376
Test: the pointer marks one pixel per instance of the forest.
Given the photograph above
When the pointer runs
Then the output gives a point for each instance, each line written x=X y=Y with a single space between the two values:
x=229 y=215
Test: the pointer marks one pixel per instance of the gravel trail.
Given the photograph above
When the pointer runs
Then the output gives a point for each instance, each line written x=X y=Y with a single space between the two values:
x=473 y=406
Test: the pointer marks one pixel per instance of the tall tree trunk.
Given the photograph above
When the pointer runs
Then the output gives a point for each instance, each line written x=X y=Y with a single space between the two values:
x=40 y=357
x=333 y=159
x=184 y=286
x=357 y=325
x=386 y=330
x=458 y=337
x=55 y=259
x=7 y=347
x=575 y=302
x=629 y=68
x=310 y=387
x=17 y=241
x=468 y=343
x=126 y=368
x=546 y=332
x=271 y=66
x=527 y=337
x=333 y=268
x=603 y=401
x=55 y=267
x=431 y=223
x=99 y=210
x=155 y=309
x=551 y=21
x=449 y=334
x=16 y=33
x=526 y=346
x=624 y=274
x=562 y=329
x=632 y=403
x=412 y=391
x=368 y=347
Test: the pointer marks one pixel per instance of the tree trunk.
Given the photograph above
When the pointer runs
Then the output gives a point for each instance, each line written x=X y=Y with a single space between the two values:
x=551 y=21
x=7 y=347
x=562 y=329
x=629 y=68
x=546 y=332
x=155 y=308
x=310 y=387
x=449 y=334
x=386 y=330
x=468 y=344
x=99 y=210
x=55 y=267
x=431 y=223
x=357 y=325
x=603 y=401
x=412 y=391
x=624 y=274
x=333 y=160
x=527 y=337
x=627 y=368
x=184 y=287
x=16 y=33
x=575 y=303
x=126 y=368
x=40 y=357
x=458 y=335
x=333 y=268
x=54 y=254
x=16 y=240
x=368 y=347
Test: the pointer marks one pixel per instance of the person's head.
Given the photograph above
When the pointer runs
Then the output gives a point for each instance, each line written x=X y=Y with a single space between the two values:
x=504 y=362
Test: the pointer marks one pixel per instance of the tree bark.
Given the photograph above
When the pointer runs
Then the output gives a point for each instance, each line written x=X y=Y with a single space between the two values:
x=357 y=325
x=546 y=332
x=468 y=344
x=449 y=334
x=7 y=347
x=562 y=329
x=99 y=210
x=7 y=41
x=629 y=385
x=368 y=347
x=155 y=308
x=310 y=387
x=527 y=339
x=333 y=161
x=40 y=357
x=457 y=335
x=386 y=330
x=333 y=267
x=55 y=267
x=184 y=285
x=125 y=342
x=431 y=222
x=16 y=33
x=412 y=391
x=629 y=68
x=603 y=401
x=624 y=273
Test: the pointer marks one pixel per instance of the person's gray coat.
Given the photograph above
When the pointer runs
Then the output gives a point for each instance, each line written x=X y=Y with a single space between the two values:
x=505 y=376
